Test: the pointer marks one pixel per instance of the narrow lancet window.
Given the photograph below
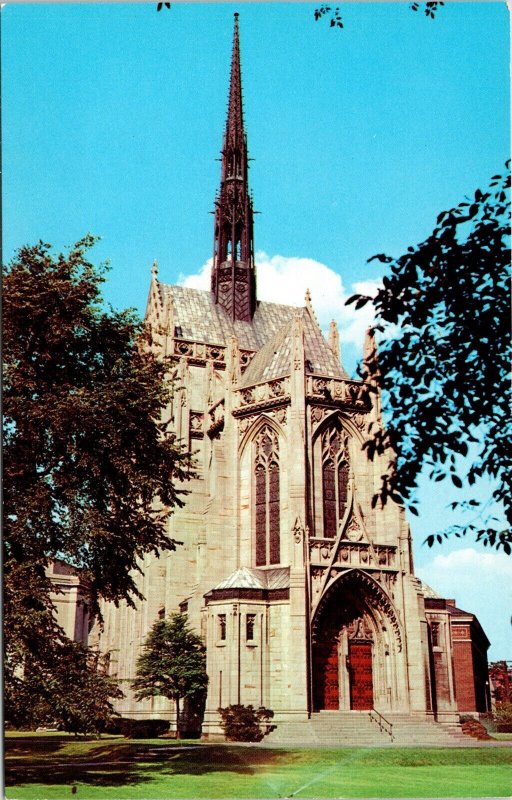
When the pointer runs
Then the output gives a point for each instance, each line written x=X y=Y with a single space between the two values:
x=335 y=472
x=267 y=498
x=249 y=627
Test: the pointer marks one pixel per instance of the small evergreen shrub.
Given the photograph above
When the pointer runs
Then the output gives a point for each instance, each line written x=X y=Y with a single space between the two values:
x=245 y=723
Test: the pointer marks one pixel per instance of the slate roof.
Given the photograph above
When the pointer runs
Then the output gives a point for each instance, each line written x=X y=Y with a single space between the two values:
x=201 y=320
x=270 y=333
x=245 y=578
x=272 y=361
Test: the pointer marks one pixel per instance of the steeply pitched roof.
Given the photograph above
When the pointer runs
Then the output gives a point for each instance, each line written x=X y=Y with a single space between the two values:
x=269 y=333
x=202 y=320
x=272 y=361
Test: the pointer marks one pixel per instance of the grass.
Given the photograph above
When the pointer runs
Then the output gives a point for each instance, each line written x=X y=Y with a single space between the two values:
x=46 y=767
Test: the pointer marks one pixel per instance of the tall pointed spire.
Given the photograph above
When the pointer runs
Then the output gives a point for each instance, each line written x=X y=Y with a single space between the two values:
x=233 y=273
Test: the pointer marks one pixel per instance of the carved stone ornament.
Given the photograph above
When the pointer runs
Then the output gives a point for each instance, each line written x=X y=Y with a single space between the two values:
x=245 y=424
x=215 y=353
x=360 y=629
x=276 y=389
x=317 y=574
x=298 y=531
x=317 y=414
x=245 y=359
x=196 y=420
x=279 y=414
x=319 y=385
x=183 y=348
x=359 y=421
x=353 y=532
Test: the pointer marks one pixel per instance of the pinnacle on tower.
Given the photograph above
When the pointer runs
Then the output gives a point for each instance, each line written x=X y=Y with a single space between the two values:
x=233 y=272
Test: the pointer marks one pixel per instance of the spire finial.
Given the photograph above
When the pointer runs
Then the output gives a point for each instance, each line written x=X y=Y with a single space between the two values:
x=154 y=268
x=233 y=273
x=334 y=339
x=235 y=123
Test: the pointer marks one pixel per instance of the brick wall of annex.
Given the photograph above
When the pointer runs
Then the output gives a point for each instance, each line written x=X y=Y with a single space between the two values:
x=463 y=669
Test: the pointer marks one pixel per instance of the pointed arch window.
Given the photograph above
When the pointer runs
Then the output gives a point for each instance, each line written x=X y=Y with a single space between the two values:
x=335 y=471
x=267 y=497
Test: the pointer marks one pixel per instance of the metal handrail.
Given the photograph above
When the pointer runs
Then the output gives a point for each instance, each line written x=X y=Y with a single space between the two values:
x=383 y=723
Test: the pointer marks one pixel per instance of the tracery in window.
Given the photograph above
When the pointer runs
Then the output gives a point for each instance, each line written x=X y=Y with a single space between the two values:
x=335 y=471
x=267 y=497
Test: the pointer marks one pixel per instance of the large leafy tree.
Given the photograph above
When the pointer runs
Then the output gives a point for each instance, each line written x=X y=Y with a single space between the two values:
x=90 y=475
x=66 y=685
x=444 y=362
x=172 y=664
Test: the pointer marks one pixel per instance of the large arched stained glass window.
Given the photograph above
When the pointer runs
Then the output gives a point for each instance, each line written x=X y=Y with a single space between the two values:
x=335 y=471
x=267 y=497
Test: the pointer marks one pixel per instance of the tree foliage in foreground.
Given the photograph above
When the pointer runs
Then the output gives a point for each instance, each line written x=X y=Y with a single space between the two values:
x=172 y=664
x=336 y=20
x=64 y=686
x=90 y=476
x=444 y=364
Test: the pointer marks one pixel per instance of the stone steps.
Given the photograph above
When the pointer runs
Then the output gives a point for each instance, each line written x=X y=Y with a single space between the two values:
x=356 y=729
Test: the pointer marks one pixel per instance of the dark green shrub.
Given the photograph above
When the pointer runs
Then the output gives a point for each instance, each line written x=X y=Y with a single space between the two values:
x=137 y=728
x=245 y=723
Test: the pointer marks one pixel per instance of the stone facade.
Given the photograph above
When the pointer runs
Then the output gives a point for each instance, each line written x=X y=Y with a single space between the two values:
x=70 y=599
x=304 y=595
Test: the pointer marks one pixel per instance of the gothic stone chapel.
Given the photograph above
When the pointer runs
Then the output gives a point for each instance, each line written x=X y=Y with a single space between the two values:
x=304 y=595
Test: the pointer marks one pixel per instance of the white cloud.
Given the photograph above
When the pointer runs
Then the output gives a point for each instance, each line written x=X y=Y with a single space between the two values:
x=481 y=583
x=284 y=279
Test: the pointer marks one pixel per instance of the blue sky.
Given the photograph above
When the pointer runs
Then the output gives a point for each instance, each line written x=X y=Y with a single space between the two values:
x=113 y=118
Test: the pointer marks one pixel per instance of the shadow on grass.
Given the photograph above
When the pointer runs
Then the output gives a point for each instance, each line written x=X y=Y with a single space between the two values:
x=119 y=765
x=34 y=746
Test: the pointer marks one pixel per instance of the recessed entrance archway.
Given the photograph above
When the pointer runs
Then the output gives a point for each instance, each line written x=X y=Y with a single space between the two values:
x=356 y=640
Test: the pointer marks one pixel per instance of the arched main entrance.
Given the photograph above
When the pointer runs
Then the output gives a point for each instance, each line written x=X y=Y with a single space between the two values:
x=355 y=644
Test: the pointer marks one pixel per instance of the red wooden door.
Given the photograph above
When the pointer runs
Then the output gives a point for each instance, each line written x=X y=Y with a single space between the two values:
x=361 y=676
x=325 y=672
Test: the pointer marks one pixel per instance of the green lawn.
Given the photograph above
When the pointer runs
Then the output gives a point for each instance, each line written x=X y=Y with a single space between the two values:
x=42 y=766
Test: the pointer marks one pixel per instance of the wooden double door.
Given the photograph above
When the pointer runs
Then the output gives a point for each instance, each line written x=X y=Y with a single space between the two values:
x=361 y=675
x=326 y=675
